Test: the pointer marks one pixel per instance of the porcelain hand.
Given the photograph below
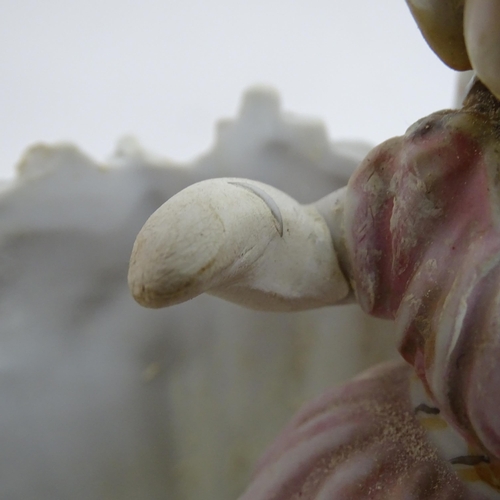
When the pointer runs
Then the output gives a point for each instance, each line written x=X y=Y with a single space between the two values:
x=241 y=240
x=465 y=34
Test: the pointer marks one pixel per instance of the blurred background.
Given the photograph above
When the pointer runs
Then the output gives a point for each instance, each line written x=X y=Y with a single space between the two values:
x=165 y=71
x=102 y=399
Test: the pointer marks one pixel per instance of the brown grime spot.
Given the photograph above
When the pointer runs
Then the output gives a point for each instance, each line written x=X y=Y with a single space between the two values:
x=470 y=460
x=427 y=409
x=207 y=266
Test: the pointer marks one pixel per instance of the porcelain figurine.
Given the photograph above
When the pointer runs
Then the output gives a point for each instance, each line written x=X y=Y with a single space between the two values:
x=414 y=238
x=100 y=398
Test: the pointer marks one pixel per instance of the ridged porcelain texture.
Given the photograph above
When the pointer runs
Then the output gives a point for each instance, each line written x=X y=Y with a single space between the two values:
x=422 y=247
x=425 y=239
x=101 y=399
x=358 y=441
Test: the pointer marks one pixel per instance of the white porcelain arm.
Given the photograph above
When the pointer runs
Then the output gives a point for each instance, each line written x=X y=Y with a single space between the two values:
x=241 y=240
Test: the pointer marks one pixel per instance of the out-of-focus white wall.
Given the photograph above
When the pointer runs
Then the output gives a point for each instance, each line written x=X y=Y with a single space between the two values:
x=166 y=70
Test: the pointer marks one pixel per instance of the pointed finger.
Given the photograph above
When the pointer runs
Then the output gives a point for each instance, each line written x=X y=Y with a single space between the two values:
x=442 y=25
x=482 y=35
